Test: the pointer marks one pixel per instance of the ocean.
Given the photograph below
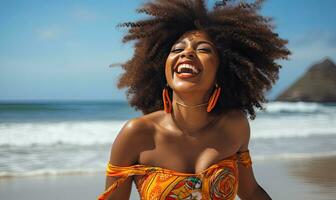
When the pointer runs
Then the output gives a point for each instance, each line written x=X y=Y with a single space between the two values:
x=75 y=137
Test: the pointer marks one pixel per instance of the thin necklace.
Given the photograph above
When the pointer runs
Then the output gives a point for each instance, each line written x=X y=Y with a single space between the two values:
x=202 y=128
x=195 y=106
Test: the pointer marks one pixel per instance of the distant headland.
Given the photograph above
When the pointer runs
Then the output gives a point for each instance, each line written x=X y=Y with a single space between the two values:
x=318 y=84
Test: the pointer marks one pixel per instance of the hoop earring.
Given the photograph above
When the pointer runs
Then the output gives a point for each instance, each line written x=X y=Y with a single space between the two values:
x=213 y=99
x=167 y=105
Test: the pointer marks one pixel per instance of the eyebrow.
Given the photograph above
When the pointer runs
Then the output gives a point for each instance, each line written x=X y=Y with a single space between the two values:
x=207 y=42
x=199 y=42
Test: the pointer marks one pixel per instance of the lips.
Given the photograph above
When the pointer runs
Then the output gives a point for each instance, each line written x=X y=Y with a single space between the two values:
x=187 y=67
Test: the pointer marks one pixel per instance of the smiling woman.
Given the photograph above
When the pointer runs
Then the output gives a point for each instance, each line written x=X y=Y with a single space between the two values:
x=196 y=75
x=181 y=64
x=246 y=45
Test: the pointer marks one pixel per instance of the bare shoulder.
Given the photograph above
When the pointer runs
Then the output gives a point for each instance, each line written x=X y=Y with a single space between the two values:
x=134 y=136
x=237 y=124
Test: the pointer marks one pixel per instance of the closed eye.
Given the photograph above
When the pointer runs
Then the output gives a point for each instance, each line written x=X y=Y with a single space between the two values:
x=207 y=50
x=176 y=50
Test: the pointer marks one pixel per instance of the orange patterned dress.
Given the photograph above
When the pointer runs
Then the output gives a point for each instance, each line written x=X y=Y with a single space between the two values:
x=218 y=182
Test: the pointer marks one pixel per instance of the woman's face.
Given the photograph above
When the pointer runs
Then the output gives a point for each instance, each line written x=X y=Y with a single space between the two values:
x=192 y=63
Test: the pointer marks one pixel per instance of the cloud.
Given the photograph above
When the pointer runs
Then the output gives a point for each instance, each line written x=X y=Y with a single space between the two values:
x=313 y=46
x=311 y=37
x=50 y=32
x=84 y=14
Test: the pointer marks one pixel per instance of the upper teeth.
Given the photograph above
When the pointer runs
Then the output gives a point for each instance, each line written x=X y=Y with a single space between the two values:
x=193 y=68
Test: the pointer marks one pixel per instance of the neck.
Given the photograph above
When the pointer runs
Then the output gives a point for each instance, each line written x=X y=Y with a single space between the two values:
x=189 y=113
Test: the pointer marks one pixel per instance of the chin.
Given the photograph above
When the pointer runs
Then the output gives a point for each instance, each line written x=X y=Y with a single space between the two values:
x=185 y=87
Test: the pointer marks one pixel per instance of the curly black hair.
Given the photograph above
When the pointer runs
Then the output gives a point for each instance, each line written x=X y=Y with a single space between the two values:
x=245 y=41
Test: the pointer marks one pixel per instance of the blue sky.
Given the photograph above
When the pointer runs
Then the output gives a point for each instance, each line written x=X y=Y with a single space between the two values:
x=61 y=50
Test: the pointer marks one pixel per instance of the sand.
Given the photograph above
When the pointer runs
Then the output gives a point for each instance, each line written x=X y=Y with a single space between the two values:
x=297 y=179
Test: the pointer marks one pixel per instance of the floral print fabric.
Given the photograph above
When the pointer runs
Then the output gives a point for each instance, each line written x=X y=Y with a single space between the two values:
x=218 y=182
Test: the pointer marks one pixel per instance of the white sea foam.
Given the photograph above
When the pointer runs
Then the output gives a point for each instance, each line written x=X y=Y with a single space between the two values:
x=101 y=169
x=284 y=131
x=298 y=107
x=294 y=156
x=104 y=132
x=293 y=126
x=51 y=172
x=48 y=133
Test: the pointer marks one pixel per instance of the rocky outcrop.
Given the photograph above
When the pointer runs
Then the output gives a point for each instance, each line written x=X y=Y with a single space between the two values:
x=318 y=84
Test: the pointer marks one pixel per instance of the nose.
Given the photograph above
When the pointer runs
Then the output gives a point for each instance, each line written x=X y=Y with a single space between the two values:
x=188 y=52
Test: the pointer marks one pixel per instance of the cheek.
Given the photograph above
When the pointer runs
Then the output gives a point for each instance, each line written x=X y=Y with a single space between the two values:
x=168 y=67
x=210 y=66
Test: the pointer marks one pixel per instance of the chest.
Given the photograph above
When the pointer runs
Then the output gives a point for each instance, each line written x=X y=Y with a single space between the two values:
x=189 y=154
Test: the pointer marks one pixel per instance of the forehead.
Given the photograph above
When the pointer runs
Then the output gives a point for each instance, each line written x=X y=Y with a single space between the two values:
x=195 y=35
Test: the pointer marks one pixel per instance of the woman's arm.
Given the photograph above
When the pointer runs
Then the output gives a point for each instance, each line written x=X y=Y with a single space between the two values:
x=248 y=188
x=125 y=152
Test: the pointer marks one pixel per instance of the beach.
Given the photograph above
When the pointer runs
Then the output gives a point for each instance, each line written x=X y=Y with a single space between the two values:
x=298 y=179
x=290 y=179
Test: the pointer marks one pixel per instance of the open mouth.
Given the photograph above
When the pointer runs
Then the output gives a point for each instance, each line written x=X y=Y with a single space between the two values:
x=186 y=70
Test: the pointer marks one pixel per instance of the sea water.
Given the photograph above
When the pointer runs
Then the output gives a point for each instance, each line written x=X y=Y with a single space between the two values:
x=73 y=137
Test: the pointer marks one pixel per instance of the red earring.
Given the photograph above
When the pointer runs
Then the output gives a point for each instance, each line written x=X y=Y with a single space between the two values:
x=167 y=105
x=213 y=99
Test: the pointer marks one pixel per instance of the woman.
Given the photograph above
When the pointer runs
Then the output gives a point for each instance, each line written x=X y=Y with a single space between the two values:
x=196 y=75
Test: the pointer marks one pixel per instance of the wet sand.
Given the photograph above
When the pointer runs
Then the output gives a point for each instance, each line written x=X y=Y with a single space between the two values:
x=297 y=179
